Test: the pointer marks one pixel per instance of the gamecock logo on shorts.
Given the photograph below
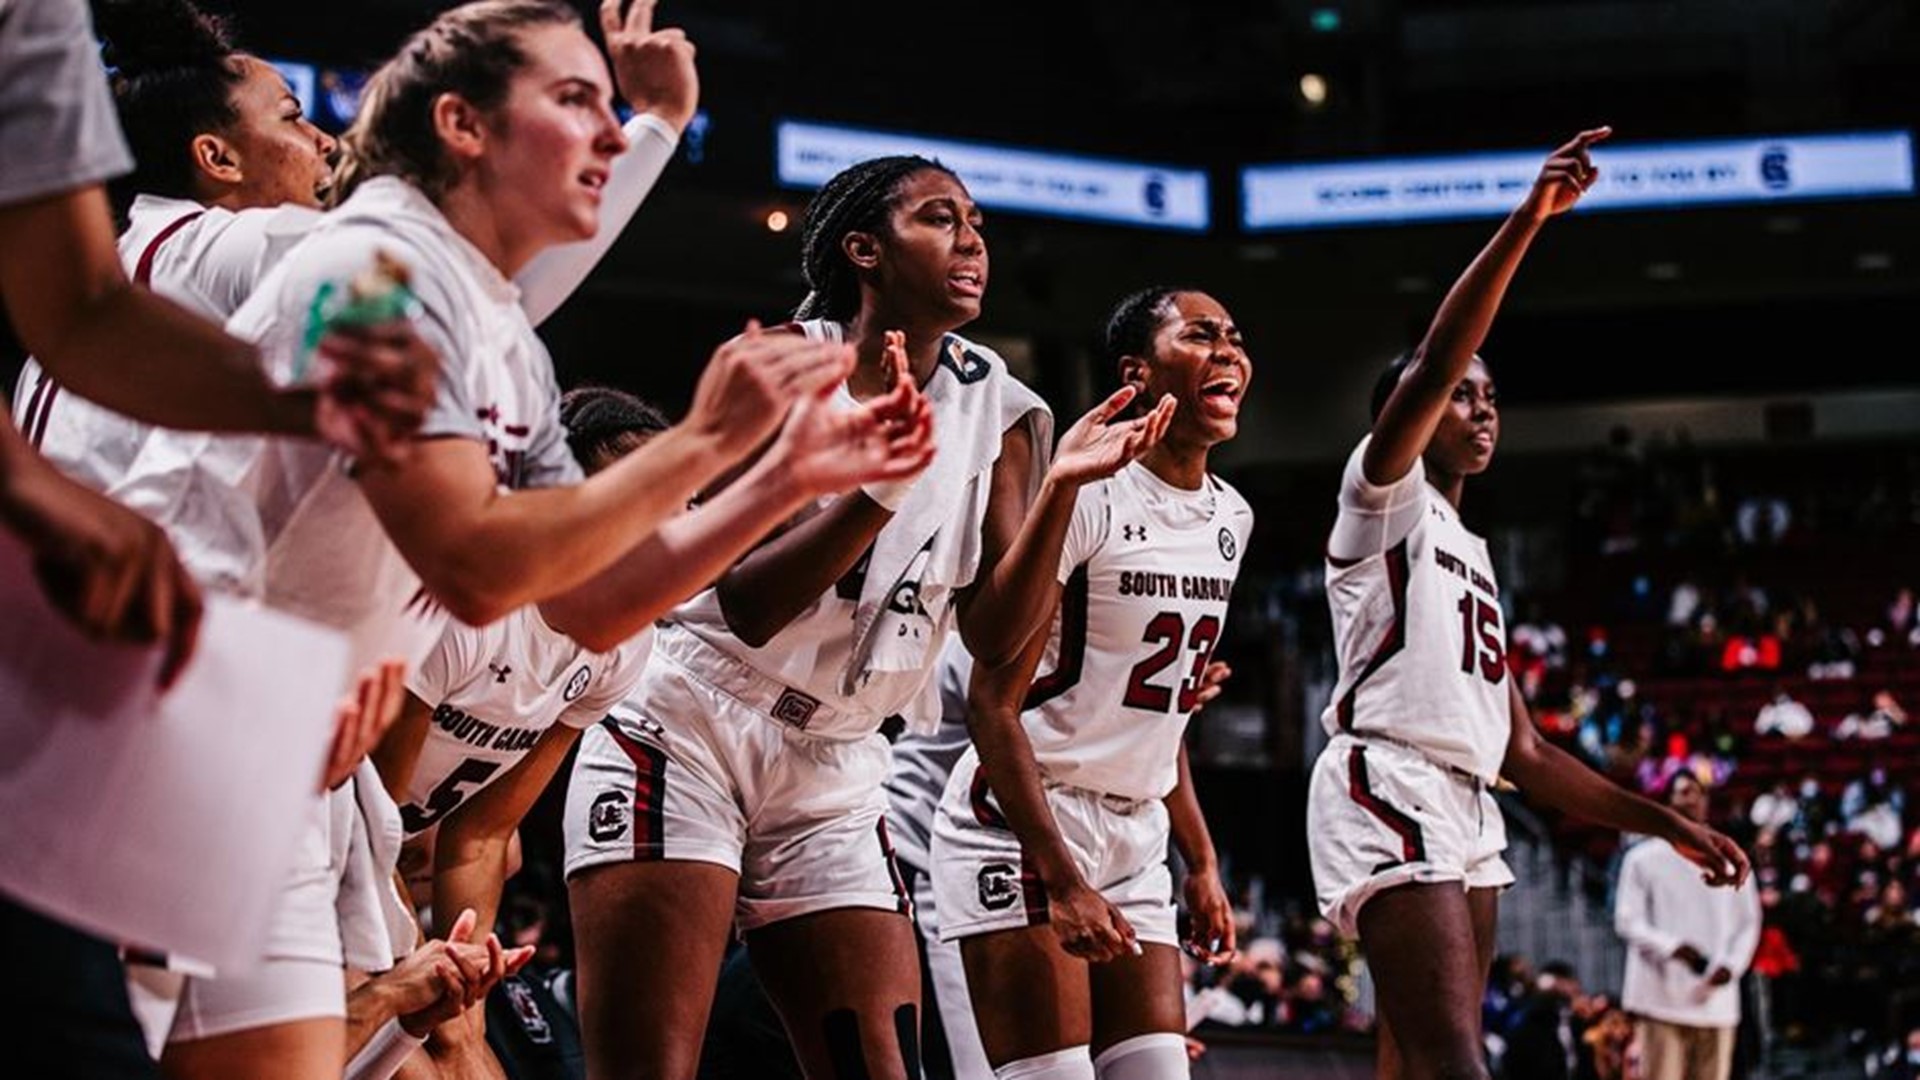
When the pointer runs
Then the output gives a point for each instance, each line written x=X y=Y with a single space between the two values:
x=578 y=684
x=795 y=708
x=607 y=819
x=999 y=886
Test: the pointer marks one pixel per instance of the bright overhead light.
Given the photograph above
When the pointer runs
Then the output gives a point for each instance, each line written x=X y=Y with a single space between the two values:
x=777 y=221
x=1313 y=88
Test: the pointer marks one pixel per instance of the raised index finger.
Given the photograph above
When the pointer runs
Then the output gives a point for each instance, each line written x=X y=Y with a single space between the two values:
x=1589 y=137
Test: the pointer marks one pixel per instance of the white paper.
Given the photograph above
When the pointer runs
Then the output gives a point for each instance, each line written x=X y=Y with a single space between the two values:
x=167 y=822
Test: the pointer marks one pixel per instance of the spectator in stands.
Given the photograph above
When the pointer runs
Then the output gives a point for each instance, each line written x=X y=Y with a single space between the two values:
x=1815 y=817
x=1774 y=808
x=1688 y=945
x=1607 y=1040
x=1545 y=1040
x=1762 y=520
x=1891 y=911
x=1256 y=979
x=1901 y=620
x=1684 y=603
x=1309 y=1009
x=1874 y=807
x=1906 y=1063
x=1832 y=651
x=1881 y=719
x=1784 y=716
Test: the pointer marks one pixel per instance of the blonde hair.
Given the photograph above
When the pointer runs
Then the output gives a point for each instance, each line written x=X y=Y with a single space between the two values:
x=473 y=51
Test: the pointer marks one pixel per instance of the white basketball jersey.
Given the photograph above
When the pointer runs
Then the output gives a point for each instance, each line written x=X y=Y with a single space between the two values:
x=1148 y=570
x=494 y=692
x=1417 y=624
x=810 y=653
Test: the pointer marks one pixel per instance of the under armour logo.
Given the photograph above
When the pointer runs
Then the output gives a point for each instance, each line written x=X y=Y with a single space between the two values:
x=1134 y=532
x=500 y=672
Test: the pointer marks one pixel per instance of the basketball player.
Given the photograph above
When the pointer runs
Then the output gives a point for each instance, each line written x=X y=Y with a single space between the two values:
x=1050 y=844
x=1405 y=838
x=745 y=785
x=488 y=139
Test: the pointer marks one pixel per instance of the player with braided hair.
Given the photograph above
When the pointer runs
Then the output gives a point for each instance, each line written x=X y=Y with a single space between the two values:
x=1050 y=842
x=742 y=783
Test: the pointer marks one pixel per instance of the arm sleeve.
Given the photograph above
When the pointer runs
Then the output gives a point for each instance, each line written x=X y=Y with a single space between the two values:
x=547 y=281
x=58 y=130
x=1375 y=517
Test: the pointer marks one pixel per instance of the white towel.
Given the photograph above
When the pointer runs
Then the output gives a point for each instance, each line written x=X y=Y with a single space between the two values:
x=932 y=547
x=376 y=923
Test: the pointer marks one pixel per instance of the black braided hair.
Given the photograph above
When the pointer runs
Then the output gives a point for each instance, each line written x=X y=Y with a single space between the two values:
x=601 y=422
x=173 y=79
x=857 y=199
x=1134 y=321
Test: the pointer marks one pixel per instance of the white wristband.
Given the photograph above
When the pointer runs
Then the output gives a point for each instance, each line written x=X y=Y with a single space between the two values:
x=383 y=1055
x=891 y=494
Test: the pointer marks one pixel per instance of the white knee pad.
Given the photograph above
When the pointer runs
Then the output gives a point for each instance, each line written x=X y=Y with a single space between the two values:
x=1159 y=1056
x=1073 y=1063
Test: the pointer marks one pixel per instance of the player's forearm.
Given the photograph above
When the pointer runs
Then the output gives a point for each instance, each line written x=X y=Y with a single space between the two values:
x=185 y=372
x=1465 y=317
x=769 y=588
x=122 y=346
x=1010 y=605
x=469 y=871
x=523 y=547
x=459 y=1049
x=370 y=1006
x=1188 y=825
x=1554 y=778
x=1006 y=757
x=684 y=556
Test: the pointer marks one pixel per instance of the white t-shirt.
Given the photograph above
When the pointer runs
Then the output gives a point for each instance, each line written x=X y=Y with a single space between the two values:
x=324 y=554
x=1417 y=624
x=494 y=691
x=1149 y=569
x=58 y=131
x=1662 y=904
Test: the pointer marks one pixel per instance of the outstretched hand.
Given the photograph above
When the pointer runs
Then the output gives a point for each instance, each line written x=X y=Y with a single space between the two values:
x=753 y=381
x=361 y=719
x=111 y=571
x=1095 y=448
x=1720 y=860
x=653 y=69
x=1567 y=175
x=885 y=440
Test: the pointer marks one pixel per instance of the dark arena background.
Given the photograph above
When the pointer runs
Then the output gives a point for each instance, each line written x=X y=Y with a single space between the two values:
x=1708 y=495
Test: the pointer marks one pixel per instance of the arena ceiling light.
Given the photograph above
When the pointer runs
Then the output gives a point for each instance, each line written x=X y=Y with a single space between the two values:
x=1648 y=176
x=1029 y=181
